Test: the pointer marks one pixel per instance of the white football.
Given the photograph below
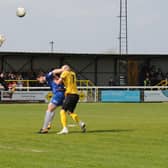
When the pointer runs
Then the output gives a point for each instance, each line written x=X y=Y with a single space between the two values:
x=20 y=12
x=2 y=39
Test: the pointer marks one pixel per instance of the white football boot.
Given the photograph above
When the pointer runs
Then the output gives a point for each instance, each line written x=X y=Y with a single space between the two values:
x=82 y=126
x=63 y=131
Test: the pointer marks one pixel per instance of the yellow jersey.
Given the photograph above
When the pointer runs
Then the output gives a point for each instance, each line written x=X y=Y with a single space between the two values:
x=69 y=80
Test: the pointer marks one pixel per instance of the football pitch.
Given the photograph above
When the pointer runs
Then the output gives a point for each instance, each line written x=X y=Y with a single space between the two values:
x=119 y=135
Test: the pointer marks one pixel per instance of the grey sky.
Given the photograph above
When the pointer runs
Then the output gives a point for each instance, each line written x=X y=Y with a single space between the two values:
x=83 y=26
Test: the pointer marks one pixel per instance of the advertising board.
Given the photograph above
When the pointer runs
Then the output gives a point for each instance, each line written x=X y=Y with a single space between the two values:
x=32 y=96
x=120 y=96
x=156 y=96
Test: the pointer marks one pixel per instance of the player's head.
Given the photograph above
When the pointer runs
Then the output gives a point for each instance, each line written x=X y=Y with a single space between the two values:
x=41 y=77
x=66 y=68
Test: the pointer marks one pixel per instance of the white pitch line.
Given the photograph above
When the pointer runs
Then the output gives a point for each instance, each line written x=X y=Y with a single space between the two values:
x=5 y=147
x=21 y=149
x=31 y=150
x=72 y=125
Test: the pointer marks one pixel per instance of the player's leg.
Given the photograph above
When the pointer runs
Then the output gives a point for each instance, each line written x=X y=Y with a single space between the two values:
x=48 y=117
x=57 y=100
x=74 y=100
x=76 y=118
x=63 y=116
x=52 y=114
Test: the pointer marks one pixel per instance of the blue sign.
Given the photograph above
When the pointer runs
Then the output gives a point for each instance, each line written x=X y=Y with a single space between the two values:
x=120 y=96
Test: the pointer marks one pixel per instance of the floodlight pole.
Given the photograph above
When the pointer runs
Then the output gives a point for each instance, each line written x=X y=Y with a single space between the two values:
x=52 y=45
x=122 y=63
x=123 y=36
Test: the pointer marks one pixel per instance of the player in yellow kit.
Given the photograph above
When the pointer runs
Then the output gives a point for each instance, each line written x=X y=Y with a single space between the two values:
x=68 y=78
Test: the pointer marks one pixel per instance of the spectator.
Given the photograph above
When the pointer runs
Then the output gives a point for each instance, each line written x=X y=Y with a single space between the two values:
x=159 y=75
x=147 y=82
x=2 y=81
x=111 y=82
x=19 y=79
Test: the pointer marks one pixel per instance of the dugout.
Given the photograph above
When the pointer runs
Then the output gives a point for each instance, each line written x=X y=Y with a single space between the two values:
x=98 y=68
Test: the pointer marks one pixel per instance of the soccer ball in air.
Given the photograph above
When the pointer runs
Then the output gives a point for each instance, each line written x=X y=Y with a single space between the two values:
x=20 y=12
x=2 y=39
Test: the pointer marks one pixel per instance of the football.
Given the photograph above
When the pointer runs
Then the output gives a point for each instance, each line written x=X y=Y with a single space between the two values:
x=2 y=39
x=20 y=12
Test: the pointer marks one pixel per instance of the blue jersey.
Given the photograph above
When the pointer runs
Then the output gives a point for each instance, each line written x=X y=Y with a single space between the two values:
x=57 y=89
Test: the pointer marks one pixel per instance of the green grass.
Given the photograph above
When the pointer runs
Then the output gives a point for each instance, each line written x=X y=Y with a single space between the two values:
x=118 y=136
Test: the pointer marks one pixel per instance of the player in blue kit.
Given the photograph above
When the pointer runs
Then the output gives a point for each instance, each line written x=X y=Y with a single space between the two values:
x=56 y=100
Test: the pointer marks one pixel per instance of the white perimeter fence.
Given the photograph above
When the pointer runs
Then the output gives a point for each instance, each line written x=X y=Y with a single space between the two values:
x=92 y=94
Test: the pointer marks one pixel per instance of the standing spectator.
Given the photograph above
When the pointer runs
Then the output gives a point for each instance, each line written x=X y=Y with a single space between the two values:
x=111 y=82
x=19 y=79
x=2 y=81
x=159 y=75
x=147 y=82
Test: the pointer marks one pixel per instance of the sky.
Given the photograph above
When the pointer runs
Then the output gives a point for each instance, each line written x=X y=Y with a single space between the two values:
x=83 y=26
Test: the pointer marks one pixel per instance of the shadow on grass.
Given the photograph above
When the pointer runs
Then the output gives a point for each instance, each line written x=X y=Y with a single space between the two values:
x=98 y=131
x=110 y=131
x=105 y=131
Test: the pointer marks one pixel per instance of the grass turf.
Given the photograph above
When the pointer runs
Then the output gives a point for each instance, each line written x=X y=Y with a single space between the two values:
x=118 y=136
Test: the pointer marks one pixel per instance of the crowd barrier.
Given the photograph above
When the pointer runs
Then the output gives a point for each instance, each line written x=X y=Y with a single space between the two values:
x=92 y=94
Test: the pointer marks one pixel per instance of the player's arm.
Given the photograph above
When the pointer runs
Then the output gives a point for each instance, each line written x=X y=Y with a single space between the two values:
x=62 y=77
x=59 y=81
x=57 y=71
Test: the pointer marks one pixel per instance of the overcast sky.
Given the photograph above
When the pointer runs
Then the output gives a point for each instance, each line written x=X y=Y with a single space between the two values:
x=83 y=26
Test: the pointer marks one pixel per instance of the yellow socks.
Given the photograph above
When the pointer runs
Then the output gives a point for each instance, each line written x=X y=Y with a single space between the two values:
x=75 y=117
x=63 y=118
